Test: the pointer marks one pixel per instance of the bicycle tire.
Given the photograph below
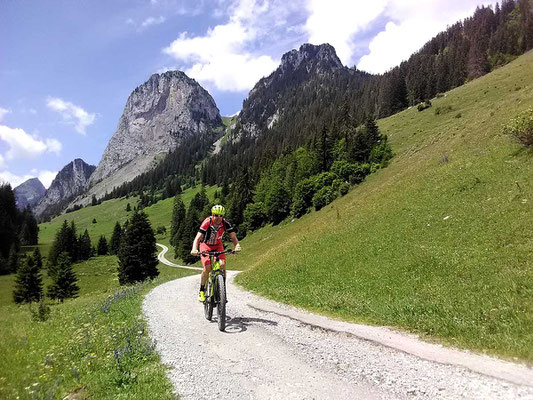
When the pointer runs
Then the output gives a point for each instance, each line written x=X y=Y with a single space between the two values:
x=208 y=304
x=221 y=307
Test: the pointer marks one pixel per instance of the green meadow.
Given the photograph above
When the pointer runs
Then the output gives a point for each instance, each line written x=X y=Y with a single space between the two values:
x=94 y=346
x=439 y=243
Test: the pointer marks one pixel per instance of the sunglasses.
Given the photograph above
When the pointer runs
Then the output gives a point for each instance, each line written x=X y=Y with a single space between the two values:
x=217 y=215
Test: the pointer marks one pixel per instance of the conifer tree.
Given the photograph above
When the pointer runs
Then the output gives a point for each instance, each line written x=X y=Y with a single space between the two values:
x=115 y=238
x=84 y=246
x=38 y=259
x=102 y=248
x=137 y=258
x=178 y=218
x=8 y=224
x=28 y=284
x=29 y=231
x=65 y=241
x=13 y=260
x=64 y=281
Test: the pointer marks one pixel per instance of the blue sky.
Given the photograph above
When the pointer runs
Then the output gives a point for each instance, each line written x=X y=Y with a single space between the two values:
x=67 y=67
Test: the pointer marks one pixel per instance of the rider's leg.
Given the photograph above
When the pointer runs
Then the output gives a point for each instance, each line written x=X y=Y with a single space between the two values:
x=205 y=273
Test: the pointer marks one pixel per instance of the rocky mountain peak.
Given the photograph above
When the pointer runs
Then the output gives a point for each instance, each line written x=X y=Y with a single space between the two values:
x=68 y=183
x=29 y=193
x=263 y=107
x=158 y=115
x=321 y=58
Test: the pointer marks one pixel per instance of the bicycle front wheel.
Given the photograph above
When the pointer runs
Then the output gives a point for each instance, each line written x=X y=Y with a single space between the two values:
x=221 y=307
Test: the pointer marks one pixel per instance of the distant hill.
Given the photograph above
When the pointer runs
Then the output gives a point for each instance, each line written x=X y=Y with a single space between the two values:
x=68 y=183
x=29 y=193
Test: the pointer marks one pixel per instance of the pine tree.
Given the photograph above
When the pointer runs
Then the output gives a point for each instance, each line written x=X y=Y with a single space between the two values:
x=137 y=258
x=38 y=259
x=64 y=281
x=8 y=221
x=28 y=284
x=116 y=238
x=102 y=248
x=65 y=241
x=324 y=149
x=84 y=246
x=13 y=260
x=29 y=232
x=178 y=217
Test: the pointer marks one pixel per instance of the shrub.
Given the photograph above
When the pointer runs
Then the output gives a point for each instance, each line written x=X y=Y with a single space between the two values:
x=161 y=230
x=254 y=216
x=303 y=197
x=443 y=110
x=336 y=184
x=422 y=106
x=361 y=171
x=324 y=179
x=381 y=154
x=42 y=313
x=343 y=169
x=521 y=127
x=344 y=188
x=323 y=197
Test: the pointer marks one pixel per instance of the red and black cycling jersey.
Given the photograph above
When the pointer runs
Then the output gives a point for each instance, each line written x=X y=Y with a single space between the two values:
x=213 y=233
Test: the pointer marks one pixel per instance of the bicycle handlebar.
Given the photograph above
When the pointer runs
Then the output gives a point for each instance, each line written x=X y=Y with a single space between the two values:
x=215 y=253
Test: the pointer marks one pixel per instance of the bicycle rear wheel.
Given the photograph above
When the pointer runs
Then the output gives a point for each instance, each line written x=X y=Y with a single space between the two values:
x=221 y=307
x=208 y=304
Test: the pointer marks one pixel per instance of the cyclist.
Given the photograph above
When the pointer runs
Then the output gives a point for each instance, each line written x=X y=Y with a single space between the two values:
x=209 y=237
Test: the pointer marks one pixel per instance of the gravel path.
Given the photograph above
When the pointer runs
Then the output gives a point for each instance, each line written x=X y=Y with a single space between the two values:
x=273 y=351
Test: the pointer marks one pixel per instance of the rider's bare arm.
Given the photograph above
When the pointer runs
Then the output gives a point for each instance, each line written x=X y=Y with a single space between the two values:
x=197 y=239
x=235 y=241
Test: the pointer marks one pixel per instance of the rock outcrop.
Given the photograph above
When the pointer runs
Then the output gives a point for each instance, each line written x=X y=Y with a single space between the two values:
x=158 y=115
x=72 y=180
x=29 y=193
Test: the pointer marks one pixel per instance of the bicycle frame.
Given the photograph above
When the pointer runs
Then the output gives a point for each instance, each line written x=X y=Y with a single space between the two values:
x=216 y=289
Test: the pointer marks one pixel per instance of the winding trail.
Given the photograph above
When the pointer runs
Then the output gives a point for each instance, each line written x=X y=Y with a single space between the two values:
x=274 y=351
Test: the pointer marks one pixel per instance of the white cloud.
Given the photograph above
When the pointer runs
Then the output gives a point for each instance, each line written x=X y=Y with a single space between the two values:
x=23 y=145
x=46 y=177
x=2 y=161
x=3 y=112
x=223 y=56
x=14 y=180
x=337 y=21
x=412 y=23
x=72 y=114
x=152 y=21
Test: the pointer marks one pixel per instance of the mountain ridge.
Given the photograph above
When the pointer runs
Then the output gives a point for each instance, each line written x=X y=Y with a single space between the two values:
x=29 y=193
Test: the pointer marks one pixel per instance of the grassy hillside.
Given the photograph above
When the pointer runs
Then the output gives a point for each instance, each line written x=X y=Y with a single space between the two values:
x=439 y=243
x=108 y=213
x=94 y=346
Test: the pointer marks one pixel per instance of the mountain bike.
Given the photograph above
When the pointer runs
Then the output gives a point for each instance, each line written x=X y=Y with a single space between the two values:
x=215 y=293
